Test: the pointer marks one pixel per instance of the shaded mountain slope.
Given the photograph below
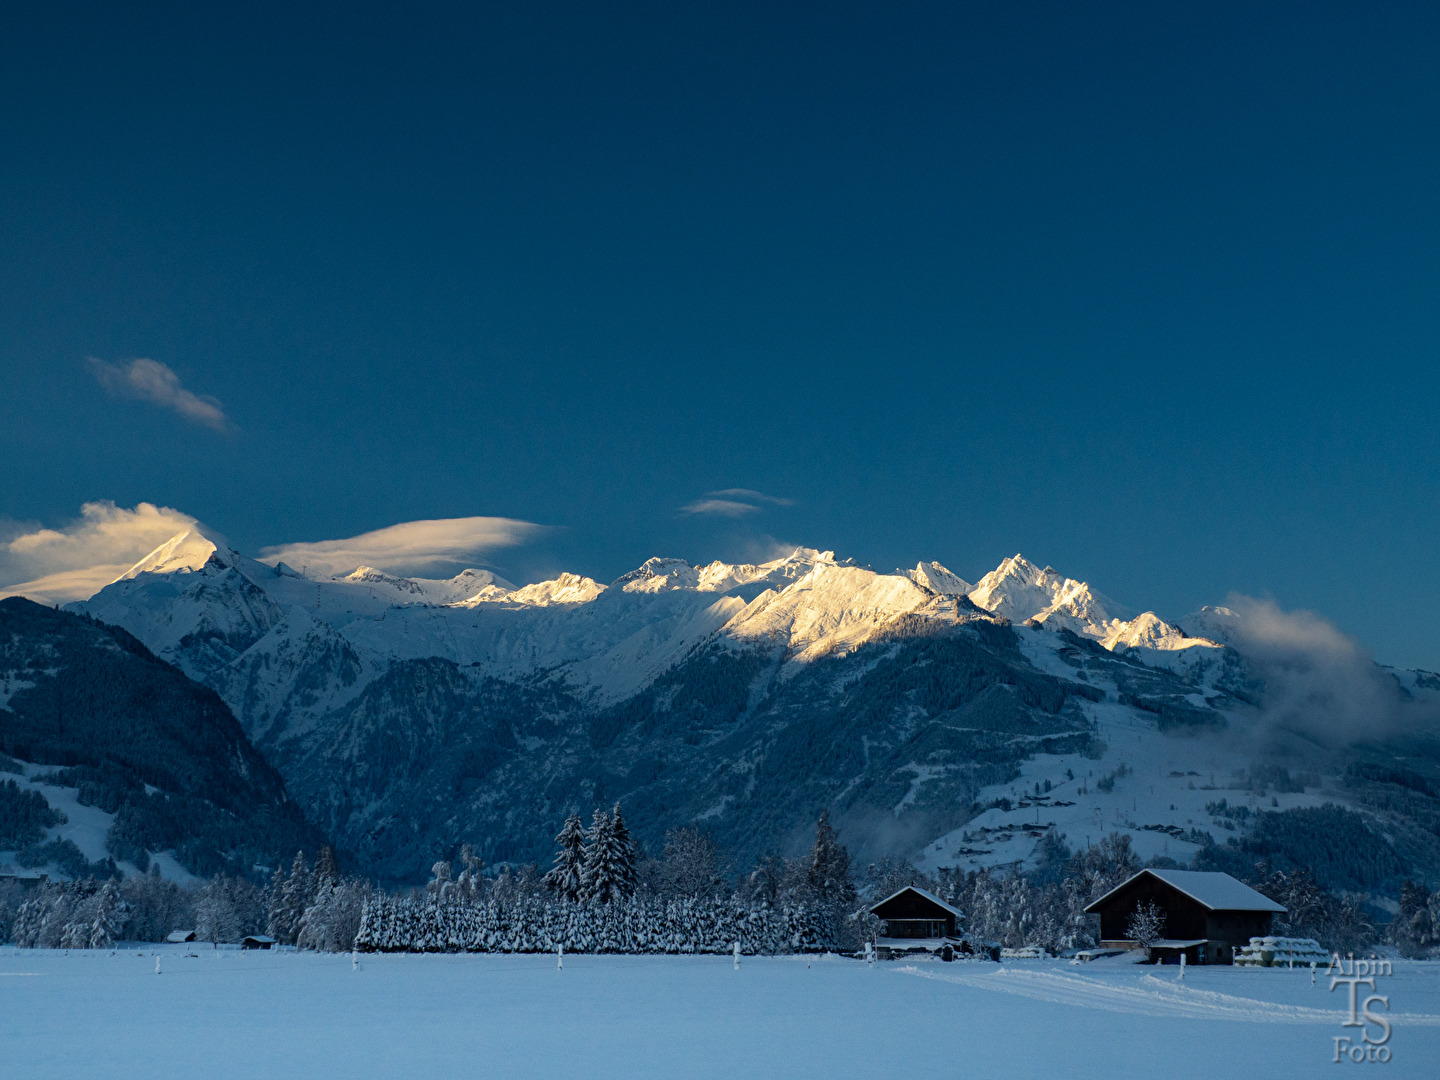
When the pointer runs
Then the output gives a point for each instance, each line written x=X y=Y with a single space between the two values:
x=143 y=741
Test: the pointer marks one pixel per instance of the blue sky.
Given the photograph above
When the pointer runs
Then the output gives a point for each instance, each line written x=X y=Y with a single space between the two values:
x=1147 y=292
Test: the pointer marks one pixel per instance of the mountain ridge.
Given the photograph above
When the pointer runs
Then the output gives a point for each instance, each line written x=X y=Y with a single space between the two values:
x=742 y=697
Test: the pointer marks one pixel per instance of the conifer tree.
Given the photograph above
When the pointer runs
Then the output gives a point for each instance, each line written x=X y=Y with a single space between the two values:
x=595 y=871
x=829 y=870
x=566 y=878
x=610 y=871
x=327 y=870
x=626 y=873
x=289 y=897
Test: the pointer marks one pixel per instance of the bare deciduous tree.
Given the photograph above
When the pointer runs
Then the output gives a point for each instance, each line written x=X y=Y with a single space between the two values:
x=1146 y=925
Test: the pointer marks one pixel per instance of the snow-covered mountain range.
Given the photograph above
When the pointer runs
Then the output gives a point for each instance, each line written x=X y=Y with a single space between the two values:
x=198 y=602
x=410 y=714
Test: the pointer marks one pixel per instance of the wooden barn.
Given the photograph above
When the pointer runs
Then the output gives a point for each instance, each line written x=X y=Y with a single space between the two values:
x=1206 y=915
x=915 y=920
x=257 y=941
x=914 y=913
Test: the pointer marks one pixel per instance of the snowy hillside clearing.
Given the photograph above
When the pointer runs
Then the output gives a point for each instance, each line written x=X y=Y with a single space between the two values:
x=85 y=827
x=1159 y=801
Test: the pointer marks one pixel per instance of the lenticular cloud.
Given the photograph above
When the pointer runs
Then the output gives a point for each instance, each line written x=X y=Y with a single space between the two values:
x=408 y=546
x=55 y=566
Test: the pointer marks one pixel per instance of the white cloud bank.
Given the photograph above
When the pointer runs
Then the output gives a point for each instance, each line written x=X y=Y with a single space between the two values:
x=411 y=546
x=1318 y=681
x=56 y=566
x=152 y=381
x=733 y=503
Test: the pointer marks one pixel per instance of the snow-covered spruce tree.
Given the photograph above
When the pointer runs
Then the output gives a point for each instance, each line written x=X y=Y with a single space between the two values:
x=609 y=871
x=108 y=915
x=289 y=896
x=1336 y=921
x=71 y=915
x=332 y=921
x=626 y=858
x=1411 y=931
x=829 y=885
x=829 y=871
x=327 y=869
x=594 y=870
x=566 y=877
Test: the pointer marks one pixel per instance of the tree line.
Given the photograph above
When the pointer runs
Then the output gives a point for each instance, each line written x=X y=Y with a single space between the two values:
x=602 y=891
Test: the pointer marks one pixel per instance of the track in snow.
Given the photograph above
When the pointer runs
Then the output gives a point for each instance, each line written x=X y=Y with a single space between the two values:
x=1150 y=995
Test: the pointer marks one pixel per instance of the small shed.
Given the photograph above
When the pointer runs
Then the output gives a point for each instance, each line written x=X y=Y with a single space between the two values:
x=179 y=937
x=916 y=913
x=1206 y=915
x=257 y=941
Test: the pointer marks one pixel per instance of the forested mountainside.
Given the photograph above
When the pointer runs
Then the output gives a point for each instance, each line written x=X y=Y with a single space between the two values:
x=953 y=722
x=431 y=755
x=89 y=707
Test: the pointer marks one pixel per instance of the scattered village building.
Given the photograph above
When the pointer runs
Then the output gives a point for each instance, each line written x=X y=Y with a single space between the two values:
x=1206 y=915
x=179 y=937
x=257 y=941
x=916 y=920
x=24 y=880
x=914 y=913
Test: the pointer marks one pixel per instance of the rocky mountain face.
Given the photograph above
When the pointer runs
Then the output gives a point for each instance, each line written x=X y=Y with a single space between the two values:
x=741 y=697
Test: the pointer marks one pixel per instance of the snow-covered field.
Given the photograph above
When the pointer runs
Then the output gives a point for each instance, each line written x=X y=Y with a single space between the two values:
x=286 y=1014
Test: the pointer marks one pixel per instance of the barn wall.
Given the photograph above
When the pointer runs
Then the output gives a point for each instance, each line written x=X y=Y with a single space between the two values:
x=1184 y=917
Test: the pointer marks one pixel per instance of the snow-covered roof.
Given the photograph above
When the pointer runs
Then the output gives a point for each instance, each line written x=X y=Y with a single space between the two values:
x=926 y=893
x=1209 y=888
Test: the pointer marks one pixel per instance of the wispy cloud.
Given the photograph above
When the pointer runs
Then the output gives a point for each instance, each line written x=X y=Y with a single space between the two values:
x=74 y=562
x=719 y=508
x=752 y=496
x=733 y=503
x=152 y=381
x=410 y=546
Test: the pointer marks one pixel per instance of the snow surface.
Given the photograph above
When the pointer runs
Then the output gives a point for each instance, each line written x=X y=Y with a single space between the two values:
x=937 y=579
x=283 y=1014
x=186 y=551
x=565 y=589
x=425 y=590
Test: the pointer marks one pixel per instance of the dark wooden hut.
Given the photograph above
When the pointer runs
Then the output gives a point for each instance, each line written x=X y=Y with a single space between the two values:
x=915 y=913
x=1206 y=915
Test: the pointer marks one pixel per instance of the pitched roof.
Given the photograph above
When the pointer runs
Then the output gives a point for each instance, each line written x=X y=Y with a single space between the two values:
x=927 y=894
x=1209 y=888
